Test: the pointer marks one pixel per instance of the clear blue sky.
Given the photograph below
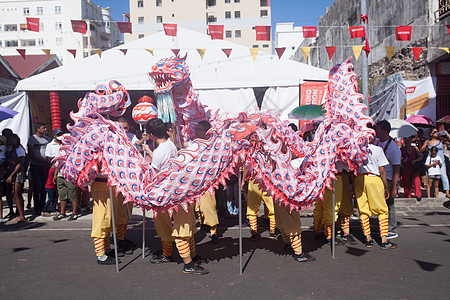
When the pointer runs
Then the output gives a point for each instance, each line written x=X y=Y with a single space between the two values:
x=301 y=12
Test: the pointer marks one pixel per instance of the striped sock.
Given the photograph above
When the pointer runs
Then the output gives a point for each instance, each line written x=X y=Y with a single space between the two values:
x=252 y=220
x=183 y=248
x=273 y=224
x=365 y=225
x=328 y=231
x=383 y=221
x=167 y=248
x=345 y=225
x=192 y=246
x=296 y=243
x=121 y=230
x=99 y=245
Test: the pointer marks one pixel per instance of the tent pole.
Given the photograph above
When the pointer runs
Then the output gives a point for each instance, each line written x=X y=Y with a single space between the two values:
x=143 y=211
x=114 y=227
x=240 y=223
x=333 y=240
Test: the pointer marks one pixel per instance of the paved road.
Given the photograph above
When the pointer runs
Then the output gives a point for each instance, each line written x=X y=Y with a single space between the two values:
x=45 y=259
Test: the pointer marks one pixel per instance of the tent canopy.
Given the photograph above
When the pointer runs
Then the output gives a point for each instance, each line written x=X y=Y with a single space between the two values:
x=215 y=71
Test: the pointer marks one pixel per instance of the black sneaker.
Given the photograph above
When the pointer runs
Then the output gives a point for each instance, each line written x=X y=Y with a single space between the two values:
x=255 y=236
x=303 y=257
x=337 y=242
x=214 y=239
x=419 y=199
x=159 y=259
x=192 y=268
x=198 y=260
x=123 y=249
x=388 y=245
x=109 y=261
x=369 y=244
x=349 y=239
x=272 y=235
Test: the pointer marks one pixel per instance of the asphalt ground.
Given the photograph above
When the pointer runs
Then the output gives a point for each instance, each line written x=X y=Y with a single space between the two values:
x=46 y=259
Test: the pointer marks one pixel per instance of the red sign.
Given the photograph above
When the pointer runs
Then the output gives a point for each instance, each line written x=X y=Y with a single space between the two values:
x=262 y=33
x=411 y=90
x=124 y=27
x=403 y=33
x=357 y=31
x=33 y=24
x=79 y=26
x=170 y=29
x=309 y=31
x=311 y=93
x=216 y=32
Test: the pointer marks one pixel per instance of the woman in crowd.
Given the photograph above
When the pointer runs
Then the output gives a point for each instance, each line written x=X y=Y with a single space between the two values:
x=411 y=159
x=16 y=174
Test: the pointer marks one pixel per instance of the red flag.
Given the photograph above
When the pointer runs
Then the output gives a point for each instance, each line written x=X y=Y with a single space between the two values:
x=364 y=19
x=448 y=28
x=227 y=52
x=280 y=51
x=124 y=51
x=309 y=31
x=262 y=33
x=170 y=29
x=216 y=32
x=124 y=27
x=330 y=51
x=176 y=51
x=366 y=47
x=403 y=33
x=357 y=31
x=33 y=24
x=73 y=51
x=416 y=51
x=21 y=52
x=79 y=26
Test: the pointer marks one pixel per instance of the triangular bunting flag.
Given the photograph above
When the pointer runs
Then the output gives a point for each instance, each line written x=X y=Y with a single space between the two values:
x=416 y=51
x=390 y=52
x=305 y=51
x=280 y=51
x=47 y=51
x=445 y=49
x=21 y=52
x=357 y=51
x=99 y=52
x=151 y=51
x=227 y=52
x=254 y=52
x=176 y=51
x=73 y=51
x=124 y=51
x=201 y=52
x=330 y=51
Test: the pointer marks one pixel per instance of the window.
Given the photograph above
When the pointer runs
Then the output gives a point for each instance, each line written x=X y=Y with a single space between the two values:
x=237 y=1
x=59 y=41
x=227 y=1
x=255 y=46
x=159 y=19
x=263 y=3
x=444 y=9
x=40 y=42
x=58 y=26
x=41 y=26
x=210 y=3
x=140 y=20
x=26 y=11
x=1 y=44
x=11 y=43
x=211 y=18
x=140 y=3
x=140 y=36
x=265 y=46
x=263 y=13
x=11 y=27
x=158 y=2
x=28 y=43
x=237 y=33
x=228 y=15
x=228 y=33
x=237 y=14
x=39 y=10
x=57 y=10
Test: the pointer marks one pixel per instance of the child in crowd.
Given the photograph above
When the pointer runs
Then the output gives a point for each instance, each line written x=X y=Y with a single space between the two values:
x=50 y=187
x=433 y=164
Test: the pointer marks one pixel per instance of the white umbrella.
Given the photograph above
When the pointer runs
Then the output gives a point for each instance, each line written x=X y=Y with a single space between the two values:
x=401 y=128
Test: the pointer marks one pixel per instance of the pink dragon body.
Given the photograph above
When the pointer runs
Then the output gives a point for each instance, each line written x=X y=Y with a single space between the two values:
x=261 y=141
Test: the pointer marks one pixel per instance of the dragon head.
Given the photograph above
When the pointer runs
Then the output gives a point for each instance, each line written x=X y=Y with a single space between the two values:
x=169 y=72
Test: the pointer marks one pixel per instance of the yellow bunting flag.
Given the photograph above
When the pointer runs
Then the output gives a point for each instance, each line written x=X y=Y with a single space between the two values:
x=305 y=51
x=99 y=52
x=47 y=52
x=390 y=52
x=357 y=51
x=254 y=52
x=445 y=49
x=201 y=52
x=151 y=51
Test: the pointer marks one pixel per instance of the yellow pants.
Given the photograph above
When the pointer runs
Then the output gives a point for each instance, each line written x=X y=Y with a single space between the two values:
x=369 y=192
x=207 y=206
x=183 y=224
x=101 y=210
x=254 y=197
x=343 y=201
x=318 y=216
x=290 y=226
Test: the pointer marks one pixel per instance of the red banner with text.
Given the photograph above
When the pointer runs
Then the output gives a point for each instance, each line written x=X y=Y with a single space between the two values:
x=311 y=93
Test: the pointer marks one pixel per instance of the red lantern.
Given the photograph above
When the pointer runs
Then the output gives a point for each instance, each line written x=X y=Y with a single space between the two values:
x=55 y=111
x=145 y=98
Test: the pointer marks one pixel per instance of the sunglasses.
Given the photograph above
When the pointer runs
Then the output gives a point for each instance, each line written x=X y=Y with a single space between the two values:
x=434 y=131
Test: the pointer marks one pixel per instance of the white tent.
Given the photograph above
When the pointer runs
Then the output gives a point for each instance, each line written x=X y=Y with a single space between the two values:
x=221 y=82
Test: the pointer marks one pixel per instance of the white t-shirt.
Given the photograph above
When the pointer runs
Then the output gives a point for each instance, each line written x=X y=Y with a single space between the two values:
x=375 y=160
x=162 y=154
x=53 y=149
x=393 y=155
x=436 y=170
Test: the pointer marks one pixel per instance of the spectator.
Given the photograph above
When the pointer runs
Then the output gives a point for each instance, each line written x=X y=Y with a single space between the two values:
x=293 y=126
x=66 y=191
x=420 y=140
x=131 y=136
x=411 y=159
x=393 y=155
x=52 y=149
x=38 y=165
x=434 y=165
x=16 y=174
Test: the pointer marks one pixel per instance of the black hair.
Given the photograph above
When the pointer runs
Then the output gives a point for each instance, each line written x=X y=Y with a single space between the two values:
x=434 y=149
x=123 y=120
x=293 y=126
x=158 y=128
x=205 y=124
x=7 y=132
x=40 y=124
x=384 y=125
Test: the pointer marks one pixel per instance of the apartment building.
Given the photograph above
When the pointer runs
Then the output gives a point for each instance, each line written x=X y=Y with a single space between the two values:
x=239 y=18
x=55 y=28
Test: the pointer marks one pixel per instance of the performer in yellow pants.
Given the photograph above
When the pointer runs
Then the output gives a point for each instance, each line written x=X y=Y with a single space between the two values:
x=206 y=208
x=102 y=221
x=318 y=220
x=254 y=197
x=291 y=230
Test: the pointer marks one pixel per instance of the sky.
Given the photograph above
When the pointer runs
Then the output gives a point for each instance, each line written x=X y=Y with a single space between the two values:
x=301 y=12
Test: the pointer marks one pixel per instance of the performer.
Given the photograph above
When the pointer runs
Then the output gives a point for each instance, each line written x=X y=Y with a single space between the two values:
x=318 y=220
x=370 y=184
x=183 y=228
